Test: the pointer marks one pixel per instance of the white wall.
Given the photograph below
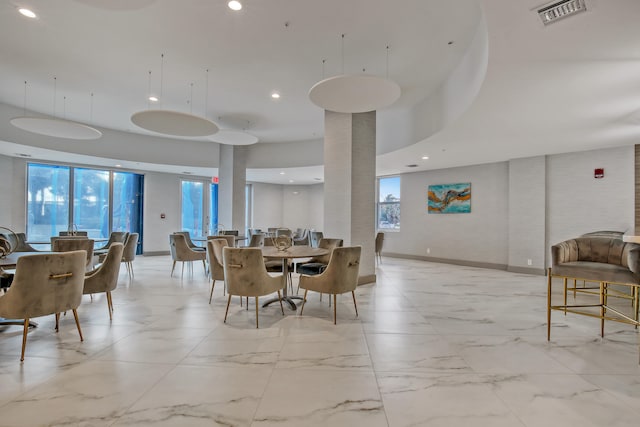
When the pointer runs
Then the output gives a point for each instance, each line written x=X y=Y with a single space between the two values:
x=268 y=205
x=478 y=237
x=276 y=205
x=6 y=183
x=578 y=203
x=161 y=195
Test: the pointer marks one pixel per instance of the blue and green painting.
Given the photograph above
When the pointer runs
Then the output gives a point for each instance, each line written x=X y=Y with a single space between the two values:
x=450 y=198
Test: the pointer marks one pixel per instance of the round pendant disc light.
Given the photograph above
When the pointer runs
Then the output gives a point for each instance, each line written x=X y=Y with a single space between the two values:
x=174 y=123
x=354 y=93
x=56 y=128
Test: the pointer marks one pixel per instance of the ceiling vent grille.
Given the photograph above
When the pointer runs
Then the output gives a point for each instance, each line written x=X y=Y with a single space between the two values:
x=561 y=9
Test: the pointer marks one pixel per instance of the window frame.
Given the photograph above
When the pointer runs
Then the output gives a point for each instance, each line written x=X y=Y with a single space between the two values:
x=380 y=204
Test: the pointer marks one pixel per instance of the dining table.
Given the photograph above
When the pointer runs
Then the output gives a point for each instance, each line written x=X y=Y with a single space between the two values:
x=273 y=252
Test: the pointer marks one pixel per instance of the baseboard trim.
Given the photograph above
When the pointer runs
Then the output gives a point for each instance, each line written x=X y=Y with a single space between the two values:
x=463 y=262
x=364 y=280
x=527 y=270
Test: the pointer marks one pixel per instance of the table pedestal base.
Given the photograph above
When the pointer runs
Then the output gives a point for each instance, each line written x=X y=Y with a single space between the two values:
x=285 y=298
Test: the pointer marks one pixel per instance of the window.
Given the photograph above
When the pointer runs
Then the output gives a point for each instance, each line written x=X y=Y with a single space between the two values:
x=389 y=203
x=199 y=207
x=92 y=200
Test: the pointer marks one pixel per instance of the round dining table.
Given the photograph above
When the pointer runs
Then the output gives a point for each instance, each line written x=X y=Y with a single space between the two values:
x=272 y=252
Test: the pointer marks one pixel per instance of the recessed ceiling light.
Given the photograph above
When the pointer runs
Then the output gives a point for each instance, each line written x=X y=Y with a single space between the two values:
x=275 y=95
x=27 y=12
x=118 y=166
x=234 y=5
x=153 y=98
x=290 y=180
x=425 y=157
x=281 y=173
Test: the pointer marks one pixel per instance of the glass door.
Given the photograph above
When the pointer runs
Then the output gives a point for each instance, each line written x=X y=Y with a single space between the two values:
x=199 y=208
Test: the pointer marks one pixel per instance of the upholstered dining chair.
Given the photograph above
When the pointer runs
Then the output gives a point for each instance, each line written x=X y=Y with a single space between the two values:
x=65 y=244
x=316 y=265
x=73 y=233
x=180 y=251
x=22 y=245
x=284 y=232
x=45 y=284
x=214 y=258
x=230 y=238
x=257 y=241
x=129 y=252
x=379 y=243
x=192 y=246
x=302 y=239
x=246 y=275
x=340 y=276
x=314 y=238
x=104 y=279
x=115 y=236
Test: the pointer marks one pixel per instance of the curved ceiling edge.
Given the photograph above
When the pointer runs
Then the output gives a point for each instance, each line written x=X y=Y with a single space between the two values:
x=442 y=107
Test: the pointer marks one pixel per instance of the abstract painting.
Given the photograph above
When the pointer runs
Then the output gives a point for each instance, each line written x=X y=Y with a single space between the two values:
x=450 y=198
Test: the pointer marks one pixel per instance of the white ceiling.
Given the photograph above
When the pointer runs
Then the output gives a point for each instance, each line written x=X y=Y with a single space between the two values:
x=570 y=86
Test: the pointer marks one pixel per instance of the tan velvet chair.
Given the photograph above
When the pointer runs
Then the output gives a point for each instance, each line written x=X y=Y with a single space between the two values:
x=214 y=258
x=66 y=244
x=340 y=276
x=246 y=275
x=73 y=233
x=22 y=245
x=379 y=243
x=180 y=251
x=129 y=252
x=230 y=238
x=284 y=232
x=316 y=265
x=45 y=284
x=257 y=241
x=115 y=236
x=190 y=243
x=105 y=277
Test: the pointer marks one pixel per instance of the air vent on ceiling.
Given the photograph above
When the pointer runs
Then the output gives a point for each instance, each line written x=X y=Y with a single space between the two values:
x=561 y=9
x=412 y=166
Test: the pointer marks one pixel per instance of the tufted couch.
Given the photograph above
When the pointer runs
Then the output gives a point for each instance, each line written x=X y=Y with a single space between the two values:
x=601 y=258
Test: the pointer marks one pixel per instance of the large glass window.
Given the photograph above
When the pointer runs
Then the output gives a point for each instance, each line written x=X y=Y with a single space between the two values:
x=47 y=201
x=97 y=201
x=192 y=208
x=389 y=203
x=213 y=209
x=91 y=201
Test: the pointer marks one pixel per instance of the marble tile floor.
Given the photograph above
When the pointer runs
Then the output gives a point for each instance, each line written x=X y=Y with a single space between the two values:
x=434 y=345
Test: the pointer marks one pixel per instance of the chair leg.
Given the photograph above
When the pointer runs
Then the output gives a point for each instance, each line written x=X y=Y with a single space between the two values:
x=130 y=264
x=182 y=274
x=24 y=337
x=173 y=268
x=335 y=309
x=353 y=294
x=211 y=295
x=204 y=265
x=304 y=300
x=75 y=315
x=227 y=311
x=57 y=321
x=109 y=306
x=256 y=311
x=280 y=299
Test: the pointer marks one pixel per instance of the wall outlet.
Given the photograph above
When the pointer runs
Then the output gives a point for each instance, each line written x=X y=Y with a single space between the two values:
x=428 y=251
x=529 y=261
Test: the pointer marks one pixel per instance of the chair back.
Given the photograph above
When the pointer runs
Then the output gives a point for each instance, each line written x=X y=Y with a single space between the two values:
x=73 y=233
x=105 y=277
x=284 y=232
x=130 y=246
x=379 y=241
x=187 y=237
x=214 y=255
x=302 y=238
x=257 y=240
x=245 y=273
x=180 y=251
x=230 y=239
x=45 y=284
x=330 y=244
x=22 y=245
x=65 y=244
x=315 y=237
x=342 y=271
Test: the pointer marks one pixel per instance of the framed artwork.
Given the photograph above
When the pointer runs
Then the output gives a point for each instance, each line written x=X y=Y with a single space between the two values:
x=449 y=198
